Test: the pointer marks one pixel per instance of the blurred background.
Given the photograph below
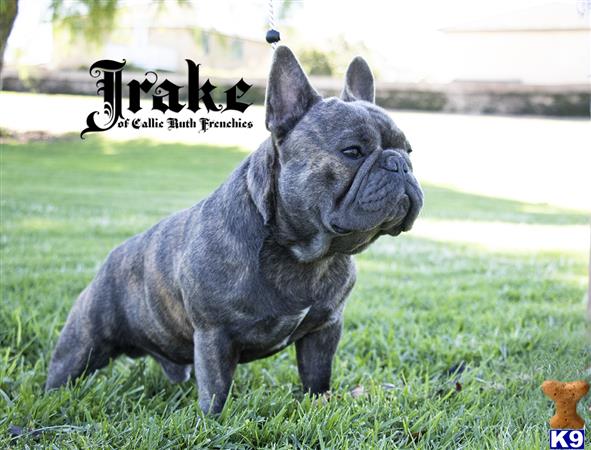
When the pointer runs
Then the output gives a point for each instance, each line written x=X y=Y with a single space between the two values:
x=483 y=83
x=508 y=56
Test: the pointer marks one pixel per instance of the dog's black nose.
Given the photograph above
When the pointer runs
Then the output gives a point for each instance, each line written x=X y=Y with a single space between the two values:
x=393 y=161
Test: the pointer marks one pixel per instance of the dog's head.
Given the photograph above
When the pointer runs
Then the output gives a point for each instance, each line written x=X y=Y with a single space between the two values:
x=336 y=173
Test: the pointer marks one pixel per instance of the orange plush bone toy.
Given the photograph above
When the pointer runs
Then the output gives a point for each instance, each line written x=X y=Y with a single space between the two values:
x=565 y=397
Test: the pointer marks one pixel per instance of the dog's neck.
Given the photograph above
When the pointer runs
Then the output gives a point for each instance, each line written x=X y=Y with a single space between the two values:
x=262 y=173
x=304 y=245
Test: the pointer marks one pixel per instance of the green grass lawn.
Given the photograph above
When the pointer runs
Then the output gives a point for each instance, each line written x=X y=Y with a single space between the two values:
x=449 y=342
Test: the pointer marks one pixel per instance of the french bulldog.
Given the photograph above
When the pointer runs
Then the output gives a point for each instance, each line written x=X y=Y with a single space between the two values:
x=265 y=260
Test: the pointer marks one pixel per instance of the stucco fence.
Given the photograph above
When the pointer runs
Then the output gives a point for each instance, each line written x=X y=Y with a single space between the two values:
x=461 y=97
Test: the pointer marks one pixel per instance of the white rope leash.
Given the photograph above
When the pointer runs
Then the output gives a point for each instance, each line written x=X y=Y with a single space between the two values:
x=272 y=35
x=271 y=16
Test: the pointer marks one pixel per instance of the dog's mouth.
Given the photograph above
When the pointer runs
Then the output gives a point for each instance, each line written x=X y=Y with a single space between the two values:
x=393 y=220
x=340 y=230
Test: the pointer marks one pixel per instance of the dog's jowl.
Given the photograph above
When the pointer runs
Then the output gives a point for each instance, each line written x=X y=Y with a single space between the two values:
x=265 y=260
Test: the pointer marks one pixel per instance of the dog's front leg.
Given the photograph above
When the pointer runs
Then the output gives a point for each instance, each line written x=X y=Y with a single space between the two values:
x=315 y=353
x=215 y=361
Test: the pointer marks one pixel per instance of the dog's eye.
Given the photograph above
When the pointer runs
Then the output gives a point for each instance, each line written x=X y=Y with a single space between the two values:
x=353 y=152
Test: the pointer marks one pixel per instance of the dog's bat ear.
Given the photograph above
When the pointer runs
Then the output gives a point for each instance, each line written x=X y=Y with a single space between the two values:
x=359 y=84
x=260 y=180
x=289 y=93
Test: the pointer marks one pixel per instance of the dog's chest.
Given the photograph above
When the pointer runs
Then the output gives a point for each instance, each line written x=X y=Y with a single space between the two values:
x=268 y=335
x=295 y=286
x=296 y=301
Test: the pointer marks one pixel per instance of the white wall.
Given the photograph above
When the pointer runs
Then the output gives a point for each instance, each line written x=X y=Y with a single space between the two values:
x=542 y=57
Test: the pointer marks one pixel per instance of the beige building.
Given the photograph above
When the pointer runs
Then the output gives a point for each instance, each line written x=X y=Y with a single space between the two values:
x=548 y=44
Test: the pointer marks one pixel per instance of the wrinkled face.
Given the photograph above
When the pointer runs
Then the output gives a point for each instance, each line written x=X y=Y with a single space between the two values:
x=346 y=168
x=342 y=172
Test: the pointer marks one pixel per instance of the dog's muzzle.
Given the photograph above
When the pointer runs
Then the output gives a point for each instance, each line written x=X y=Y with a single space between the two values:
x=387 y=196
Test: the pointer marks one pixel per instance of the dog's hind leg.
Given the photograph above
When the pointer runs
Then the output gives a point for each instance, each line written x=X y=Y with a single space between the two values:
x=80 y=348
x=176 y=373
x=75 y=355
